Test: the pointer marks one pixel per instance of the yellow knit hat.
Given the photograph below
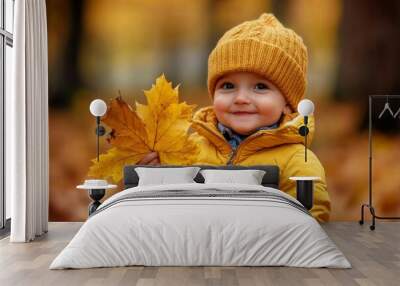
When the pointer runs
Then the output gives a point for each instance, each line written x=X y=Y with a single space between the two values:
x=266 y=47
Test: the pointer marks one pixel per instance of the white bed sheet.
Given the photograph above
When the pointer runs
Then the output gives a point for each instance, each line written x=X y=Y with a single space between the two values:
x=200 y=231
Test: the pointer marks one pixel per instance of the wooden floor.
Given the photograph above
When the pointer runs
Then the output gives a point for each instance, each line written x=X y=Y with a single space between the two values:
x=374 y=255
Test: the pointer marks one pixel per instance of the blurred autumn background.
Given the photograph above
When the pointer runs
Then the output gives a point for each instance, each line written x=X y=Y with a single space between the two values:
x=99 y=47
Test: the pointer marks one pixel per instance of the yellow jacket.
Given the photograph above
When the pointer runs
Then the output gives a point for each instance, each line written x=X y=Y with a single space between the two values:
x=282 y=146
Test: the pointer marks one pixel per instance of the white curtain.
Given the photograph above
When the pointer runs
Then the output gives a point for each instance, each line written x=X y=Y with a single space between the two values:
x=27 y=124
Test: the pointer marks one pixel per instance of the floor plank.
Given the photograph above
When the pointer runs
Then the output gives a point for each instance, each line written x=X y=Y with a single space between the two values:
x=374 y=255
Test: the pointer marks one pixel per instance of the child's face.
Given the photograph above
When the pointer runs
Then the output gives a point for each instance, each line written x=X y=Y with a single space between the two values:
x=245 y=101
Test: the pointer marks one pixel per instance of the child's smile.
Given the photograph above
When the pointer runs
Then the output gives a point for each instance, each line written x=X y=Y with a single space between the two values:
x=245 y=101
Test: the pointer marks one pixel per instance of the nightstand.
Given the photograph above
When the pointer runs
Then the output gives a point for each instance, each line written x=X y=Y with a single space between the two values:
x=97 y=190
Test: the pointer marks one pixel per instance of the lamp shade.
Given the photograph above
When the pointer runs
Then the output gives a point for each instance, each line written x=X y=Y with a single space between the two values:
x=305 y=107
x=98 y=107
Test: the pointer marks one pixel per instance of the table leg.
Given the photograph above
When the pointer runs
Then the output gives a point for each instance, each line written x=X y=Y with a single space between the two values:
x=96 y=195
x=304 y=192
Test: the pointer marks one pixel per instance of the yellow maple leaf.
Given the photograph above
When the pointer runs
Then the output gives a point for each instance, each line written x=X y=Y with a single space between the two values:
x=129 y=130
x=110 y=164
x=162 y=126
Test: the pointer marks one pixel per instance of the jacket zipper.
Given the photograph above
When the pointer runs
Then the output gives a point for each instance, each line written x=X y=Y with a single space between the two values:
x=235 y=151
x=231 y=155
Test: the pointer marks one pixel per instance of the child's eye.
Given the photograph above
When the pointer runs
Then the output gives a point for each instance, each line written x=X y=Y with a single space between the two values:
x=227 y=85
x=261 y=86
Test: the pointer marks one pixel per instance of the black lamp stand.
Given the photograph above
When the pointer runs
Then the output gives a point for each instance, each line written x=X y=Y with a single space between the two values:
x=100 y=131
x=303 y=130
x=304 y=188
x=97 y=194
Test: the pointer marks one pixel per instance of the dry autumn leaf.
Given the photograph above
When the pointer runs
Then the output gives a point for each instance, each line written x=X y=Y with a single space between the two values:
x=162 y=126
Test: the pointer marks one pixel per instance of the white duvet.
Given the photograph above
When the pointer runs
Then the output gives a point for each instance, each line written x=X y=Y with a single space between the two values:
x=183 y=231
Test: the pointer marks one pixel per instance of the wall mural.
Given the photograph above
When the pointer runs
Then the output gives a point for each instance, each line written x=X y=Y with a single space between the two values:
x=151 y=69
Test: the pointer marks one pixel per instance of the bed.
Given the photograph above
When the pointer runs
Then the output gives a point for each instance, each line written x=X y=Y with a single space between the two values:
x=201 y=223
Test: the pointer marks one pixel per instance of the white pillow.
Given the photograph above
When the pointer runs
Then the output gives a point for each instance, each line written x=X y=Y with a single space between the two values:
x=163 y=176
x=249 y=177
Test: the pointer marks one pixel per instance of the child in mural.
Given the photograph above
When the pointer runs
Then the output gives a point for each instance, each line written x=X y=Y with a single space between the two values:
x=256 y=78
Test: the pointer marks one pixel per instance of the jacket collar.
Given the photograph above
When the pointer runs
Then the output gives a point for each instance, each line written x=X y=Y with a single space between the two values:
x=205 y=123
x=234 y=138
